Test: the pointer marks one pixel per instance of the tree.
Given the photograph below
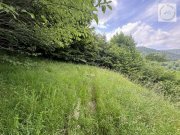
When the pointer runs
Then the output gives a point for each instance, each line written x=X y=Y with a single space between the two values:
x=132 y=59
x=156 y=57
x=47 y=23
x=123 y=41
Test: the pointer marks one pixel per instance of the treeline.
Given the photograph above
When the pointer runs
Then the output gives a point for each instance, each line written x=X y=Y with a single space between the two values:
x=120 y=55
x=60 y=30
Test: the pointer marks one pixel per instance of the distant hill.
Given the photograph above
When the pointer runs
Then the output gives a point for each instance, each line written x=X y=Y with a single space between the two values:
x=174 y=51
x=173 y=54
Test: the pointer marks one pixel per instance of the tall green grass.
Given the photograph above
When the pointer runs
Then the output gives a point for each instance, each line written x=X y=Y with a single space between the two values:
x=40 y=97
x=178 y=75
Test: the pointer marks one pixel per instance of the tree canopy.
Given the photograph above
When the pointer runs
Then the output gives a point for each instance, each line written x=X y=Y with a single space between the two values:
x=47 y=22
x=123 y=41
x=156 y=57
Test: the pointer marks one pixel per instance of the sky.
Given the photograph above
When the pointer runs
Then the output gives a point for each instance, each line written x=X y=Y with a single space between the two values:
x=139 y=18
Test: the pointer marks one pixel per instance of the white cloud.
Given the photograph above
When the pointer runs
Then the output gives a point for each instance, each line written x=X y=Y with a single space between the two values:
x=126 y=29
x=145 y=35
x=150 y=13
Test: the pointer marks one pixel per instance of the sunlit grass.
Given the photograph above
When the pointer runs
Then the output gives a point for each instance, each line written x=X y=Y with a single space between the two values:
x=178 y=75
x=53 y=98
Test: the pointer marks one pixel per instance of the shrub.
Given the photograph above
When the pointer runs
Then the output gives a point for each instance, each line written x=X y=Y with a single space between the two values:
x=58 y=23
x=156 y=57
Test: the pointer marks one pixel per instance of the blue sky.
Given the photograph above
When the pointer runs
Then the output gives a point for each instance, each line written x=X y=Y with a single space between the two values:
x=139 y=18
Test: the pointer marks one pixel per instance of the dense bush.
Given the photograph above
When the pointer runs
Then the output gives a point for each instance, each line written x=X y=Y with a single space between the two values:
x=169 y=88
x=172 y=65
x=46 y=23
x=156 y=57
x=159 y=79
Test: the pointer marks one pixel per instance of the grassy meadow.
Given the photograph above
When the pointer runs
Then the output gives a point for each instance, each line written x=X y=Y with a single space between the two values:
x=41 y=97
x=178 y=75
x=62 y=75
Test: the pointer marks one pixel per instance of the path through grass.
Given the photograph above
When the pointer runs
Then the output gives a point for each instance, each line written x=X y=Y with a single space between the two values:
x=40 y=97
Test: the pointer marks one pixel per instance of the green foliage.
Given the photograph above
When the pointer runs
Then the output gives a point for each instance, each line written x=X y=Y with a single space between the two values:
x=178 y=75
x=172 y=65
x=56 y=98
x=123 y=41
x=96 y=51
x=170 y=89
x=171 y=55
x=131 y=59
x=46 y=23
x=156 y=73
x=161 y=80
x=156 y=57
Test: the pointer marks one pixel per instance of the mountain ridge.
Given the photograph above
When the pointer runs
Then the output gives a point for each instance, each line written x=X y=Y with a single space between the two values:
x=171 y=54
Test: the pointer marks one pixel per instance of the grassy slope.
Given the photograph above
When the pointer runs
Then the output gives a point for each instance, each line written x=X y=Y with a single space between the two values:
x=51 y=98
x=178 y=75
